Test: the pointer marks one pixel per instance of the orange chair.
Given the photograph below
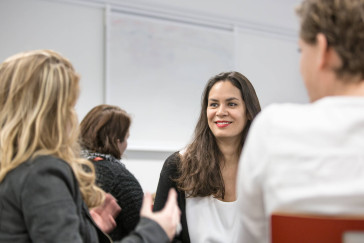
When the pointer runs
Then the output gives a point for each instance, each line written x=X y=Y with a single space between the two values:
x=301 y=228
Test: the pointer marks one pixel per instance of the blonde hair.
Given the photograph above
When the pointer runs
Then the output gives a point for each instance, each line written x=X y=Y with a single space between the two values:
x=38 y=92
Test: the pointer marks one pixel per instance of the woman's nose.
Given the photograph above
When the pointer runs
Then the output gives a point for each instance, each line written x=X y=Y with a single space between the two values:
x=222 y=111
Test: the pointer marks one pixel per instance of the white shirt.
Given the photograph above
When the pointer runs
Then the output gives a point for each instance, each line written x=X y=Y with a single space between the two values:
x=210 y=220
x=302 y=158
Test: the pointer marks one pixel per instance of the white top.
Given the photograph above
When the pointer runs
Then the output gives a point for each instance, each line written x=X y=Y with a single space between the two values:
x=302 y=158
x=210 y=220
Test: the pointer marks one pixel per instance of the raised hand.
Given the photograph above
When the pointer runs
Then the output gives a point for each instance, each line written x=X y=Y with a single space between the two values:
x=168 y=218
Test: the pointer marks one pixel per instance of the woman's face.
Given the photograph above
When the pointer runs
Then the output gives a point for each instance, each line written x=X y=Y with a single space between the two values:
x=226 y=112
x=123 y=144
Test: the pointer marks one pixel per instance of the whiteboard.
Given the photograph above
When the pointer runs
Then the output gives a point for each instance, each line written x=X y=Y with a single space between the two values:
x=157 y=73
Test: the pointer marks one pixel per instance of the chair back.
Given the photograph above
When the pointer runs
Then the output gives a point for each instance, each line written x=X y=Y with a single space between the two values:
x=301 y=228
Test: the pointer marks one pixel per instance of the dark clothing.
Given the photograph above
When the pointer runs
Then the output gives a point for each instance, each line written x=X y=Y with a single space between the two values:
x=113 y=177
x=40 y=201
x=169 y=171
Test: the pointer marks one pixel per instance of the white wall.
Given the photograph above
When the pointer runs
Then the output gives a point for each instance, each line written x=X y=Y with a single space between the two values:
x=75 y=31
x=267 y=45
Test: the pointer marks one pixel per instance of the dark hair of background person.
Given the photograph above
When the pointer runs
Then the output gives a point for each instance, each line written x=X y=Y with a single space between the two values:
x=102 y=127
x=199 y=170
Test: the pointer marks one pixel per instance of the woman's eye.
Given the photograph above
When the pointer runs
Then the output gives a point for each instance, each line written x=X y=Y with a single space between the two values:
x=233 y=104
x=213 y=105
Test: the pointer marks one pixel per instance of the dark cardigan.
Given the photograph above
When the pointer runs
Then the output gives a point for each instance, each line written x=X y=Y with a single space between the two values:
x=168 y=172
x=113 y=177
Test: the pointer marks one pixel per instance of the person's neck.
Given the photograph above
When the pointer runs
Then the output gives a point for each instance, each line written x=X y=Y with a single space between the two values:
x=230 y=151
x=347 y=86
x=342 y=88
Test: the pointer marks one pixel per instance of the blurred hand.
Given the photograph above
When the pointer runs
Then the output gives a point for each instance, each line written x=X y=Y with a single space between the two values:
x=168 y=218
x=104 y=215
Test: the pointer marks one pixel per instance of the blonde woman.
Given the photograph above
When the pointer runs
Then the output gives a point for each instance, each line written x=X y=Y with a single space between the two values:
x=45 y=190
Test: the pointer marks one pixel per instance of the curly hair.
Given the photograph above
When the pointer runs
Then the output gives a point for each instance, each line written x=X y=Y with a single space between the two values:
x=342 y=23
x=199 y=170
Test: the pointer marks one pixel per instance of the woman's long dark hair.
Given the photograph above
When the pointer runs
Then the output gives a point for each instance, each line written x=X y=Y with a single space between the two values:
x=199 y=170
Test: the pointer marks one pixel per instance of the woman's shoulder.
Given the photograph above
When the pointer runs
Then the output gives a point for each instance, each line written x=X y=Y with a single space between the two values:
x=113 y=168
x=43 y=163
x=113 y=173
x=171 y=164
x=107 y=163
x=173 y=160
x=40 y=171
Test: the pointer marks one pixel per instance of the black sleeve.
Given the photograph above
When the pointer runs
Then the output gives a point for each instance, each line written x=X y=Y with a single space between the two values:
x=129 y=195
x=168 y=172
x=117 y=180
x=147 y=231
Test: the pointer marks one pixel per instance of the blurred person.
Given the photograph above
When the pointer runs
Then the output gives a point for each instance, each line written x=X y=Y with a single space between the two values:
x=46 y=190
x=309 y=158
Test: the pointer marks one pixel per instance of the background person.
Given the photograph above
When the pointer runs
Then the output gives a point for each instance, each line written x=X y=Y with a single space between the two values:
x=104 y=135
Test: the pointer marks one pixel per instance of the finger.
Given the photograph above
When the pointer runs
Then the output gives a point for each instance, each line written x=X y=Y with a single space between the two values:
x=97 y=218
x=112 y=222
x=108 y=197
x=104 y=206
x=147 y=204
x=116 y=211
x=176 y=215
x=171 y=201
x=93 y=214
x=114 y=208
x=98 y=210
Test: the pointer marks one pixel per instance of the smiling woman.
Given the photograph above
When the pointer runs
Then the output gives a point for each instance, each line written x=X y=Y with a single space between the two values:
x=205 y=172
x=226 y=112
